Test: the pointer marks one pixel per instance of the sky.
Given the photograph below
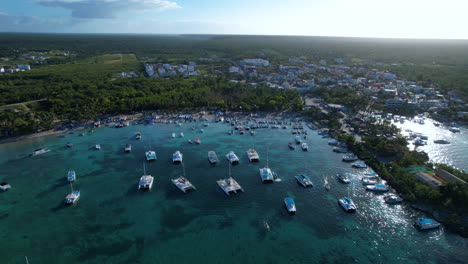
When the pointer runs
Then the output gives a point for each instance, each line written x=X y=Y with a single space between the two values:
x=434 y=19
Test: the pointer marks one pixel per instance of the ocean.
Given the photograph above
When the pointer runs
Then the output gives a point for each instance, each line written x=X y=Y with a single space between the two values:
x=114 y=222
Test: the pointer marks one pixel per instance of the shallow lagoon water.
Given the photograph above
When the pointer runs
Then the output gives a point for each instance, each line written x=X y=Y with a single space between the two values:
x=113 y=222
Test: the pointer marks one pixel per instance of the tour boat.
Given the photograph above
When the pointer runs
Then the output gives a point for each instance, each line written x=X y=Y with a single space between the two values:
x=72 y=197
x=177 y=157
x=212 y=157
x=304 y=146
x=343 y=178
x=393 y=199
x=426 y=224
x=233 y=159
x=304 y=180
x=38 y=152
x=290 y=205
x=138 y=135
x=347 y=204
x=151 y=155
x=378 y=188
x=253 y=155
x=71 y=176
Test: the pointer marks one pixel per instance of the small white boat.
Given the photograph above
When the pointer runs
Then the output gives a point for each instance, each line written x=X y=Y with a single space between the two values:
x=304 y=146
x=393 y=199
x=138 y=135
x=71 y=176
x=378 y=188
x=290 y=205
x=190 y=141
x=177 y=157
x=347 y=204
x=128 y=148
x=343 y=178
x=266 y=174
x=97 y=147
x=38 y=152
x=173 y=135
x=212 y=157
x=350 y=158
x=370 y=180
x=198 y=141
x=181 y=134
x=359 y=165
x=454 y=129
x=441 y=141
x=298 y=140
x=4 y=186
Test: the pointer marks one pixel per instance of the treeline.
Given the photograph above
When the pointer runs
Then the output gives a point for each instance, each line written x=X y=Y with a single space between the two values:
x=83 y=99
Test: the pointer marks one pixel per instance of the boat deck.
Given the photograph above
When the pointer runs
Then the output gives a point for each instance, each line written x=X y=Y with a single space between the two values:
x=229 y=186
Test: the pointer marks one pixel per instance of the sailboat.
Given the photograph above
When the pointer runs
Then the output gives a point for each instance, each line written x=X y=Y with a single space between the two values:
x=182 y=183
x=266 y=174
x=229 y=185
x=73 y=196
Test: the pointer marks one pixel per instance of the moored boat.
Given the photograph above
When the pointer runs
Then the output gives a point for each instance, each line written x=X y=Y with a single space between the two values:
x=232 y=157
x=177 y=157
x=393 y=199
x=304 y=146
x=72 y=197
x=71 y=176
x=343 y=178
x=441 y=141
x=198 y=141
x=69 y=145
x=182 y=134
x=291 y=145
x=340 y=150
x=38 y=152
x=359 y=165
x=347 y=204
x=266 y=175
x=138 y=135
x=151 y=155
x=298 y=139
x=350 y=158
x=173 y=135
x=426 y=224
x=146 y=181
x=183 y=184
x=97 y=146
x=253 y=155
x=212 y=157
x=378 y=188
x=370 y=180
x=128 y=148
x=290 y=205
x=304 y=180
x=4 y=186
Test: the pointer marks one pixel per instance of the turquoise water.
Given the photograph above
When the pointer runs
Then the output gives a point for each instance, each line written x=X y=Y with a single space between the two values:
x=115 y=223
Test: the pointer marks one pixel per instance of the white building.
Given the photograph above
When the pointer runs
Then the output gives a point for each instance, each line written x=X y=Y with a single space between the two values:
x=24 y=67
x=233 y=69
x=2 y=70
x=323 y=63
x=256 y=62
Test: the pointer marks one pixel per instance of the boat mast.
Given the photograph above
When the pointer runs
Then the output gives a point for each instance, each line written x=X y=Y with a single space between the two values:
x=144 y=169
x=26 y=257
x=230 y=170
x=183 y=169
x=71 y=186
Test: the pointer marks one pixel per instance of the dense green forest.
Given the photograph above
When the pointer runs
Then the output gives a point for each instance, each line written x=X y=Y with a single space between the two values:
x=83 y=85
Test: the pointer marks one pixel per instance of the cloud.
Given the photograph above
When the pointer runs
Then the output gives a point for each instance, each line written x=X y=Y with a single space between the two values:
x=25 y=23
x=108 y=8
